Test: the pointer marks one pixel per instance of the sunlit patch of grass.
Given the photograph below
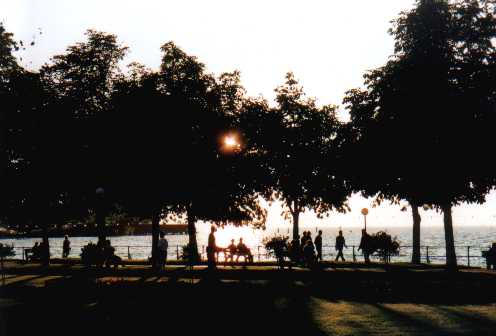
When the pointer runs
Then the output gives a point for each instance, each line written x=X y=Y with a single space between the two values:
x=350 y=318
x=486 y=311
x=356 y=318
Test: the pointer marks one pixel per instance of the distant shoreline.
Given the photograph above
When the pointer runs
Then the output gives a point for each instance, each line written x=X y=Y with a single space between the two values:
x=134 y=230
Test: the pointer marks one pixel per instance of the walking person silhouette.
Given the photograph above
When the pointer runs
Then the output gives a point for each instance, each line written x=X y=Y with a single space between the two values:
x=318 y=245
x=340 y=243
x=365 y=246
x=211 y=249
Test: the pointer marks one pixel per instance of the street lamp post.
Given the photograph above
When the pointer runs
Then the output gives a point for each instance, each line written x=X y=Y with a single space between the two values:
x=100 y=213
x=365 y=212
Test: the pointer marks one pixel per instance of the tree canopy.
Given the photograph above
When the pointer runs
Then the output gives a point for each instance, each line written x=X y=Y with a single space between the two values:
x=166 y=147
x=422 y=120
x=180 y=140
x=297 y=144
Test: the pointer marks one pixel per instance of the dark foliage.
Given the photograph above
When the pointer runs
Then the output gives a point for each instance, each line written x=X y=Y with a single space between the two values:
x=385 y=246
x=277 y=246
x=423 y=120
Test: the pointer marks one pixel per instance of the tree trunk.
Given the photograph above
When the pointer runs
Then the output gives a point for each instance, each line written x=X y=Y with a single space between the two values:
x=296 y=220
x=45 y=252
x=155 y=233
x=449 y=238
x=416 y=234
x=100 y=218
x=193 y=245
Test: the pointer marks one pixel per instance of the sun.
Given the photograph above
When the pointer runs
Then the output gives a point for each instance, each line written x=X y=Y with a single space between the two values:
x=230 y=141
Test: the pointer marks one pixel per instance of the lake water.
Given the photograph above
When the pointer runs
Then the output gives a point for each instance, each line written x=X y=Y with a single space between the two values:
x=138 y=247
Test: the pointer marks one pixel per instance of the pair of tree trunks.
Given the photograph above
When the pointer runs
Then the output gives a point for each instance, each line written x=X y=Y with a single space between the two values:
x=193 y=245
x=448 y=234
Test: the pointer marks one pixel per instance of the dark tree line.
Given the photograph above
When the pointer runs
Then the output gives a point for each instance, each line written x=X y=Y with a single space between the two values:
x=154 y=140
x=424 y=119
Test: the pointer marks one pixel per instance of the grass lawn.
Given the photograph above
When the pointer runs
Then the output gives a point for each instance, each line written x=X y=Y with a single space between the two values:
x=259 y=300
x=155 y=304
x=356 y=318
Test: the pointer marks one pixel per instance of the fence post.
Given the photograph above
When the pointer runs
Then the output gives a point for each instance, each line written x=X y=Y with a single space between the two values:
x=23 y=254
x=427 y=255
x=468 y=256
x=354 y=256
x=177 y=252
x=128 y=253
x=258 y=251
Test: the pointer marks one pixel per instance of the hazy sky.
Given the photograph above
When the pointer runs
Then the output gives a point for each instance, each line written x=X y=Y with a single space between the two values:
x=328 y=44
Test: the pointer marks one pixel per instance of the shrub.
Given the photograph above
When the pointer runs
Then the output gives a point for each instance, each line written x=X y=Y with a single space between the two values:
x=6 y=251
x=190 y=254
x=384 y=245
x=278 y=247
x=92 y=254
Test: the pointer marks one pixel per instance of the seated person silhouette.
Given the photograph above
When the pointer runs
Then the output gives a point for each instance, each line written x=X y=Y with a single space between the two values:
x=43 y=252
x=33 y=253
x=295 y=250
x=232 y=249
x=109 y=255
x=243 y=250
x=491 y=257
x=309 y=253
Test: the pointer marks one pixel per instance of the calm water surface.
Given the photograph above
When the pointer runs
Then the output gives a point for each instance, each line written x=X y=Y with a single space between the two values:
x=138 y=247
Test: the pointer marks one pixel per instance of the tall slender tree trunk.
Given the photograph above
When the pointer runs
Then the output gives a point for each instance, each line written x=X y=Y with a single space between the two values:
x=296 y=228
x=100 y=217
x=43 y=211
x=45 y=252
x=449 y=237
x=416 y=234
x=193 y=245
x=295 y=212
x=155 y=233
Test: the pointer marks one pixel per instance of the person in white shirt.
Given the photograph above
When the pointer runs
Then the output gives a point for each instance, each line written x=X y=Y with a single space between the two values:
x=162 y=246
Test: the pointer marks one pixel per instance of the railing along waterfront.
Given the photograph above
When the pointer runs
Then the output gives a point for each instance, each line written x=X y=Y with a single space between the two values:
x=469 y=255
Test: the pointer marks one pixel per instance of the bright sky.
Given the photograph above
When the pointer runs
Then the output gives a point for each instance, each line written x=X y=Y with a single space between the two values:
x=328 y=44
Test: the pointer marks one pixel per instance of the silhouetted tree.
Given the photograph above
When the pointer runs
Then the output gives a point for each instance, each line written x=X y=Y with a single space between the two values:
x=422 y=121
x=79 y=87
x=21 y=116
x=8 y=69
x=169 y=128
x=207 y=185
x=297 y=152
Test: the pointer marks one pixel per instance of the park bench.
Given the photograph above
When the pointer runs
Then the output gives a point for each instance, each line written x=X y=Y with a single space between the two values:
x=229 y=255
x=247 y=256
x=29 y=255
x=92 y=254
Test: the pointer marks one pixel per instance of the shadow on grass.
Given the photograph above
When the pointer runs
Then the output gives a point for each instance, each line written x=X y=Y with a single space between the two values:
x=83 y=306
x=476 y=323
x=26 y=279
x=410 y=322
x=137 y=309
